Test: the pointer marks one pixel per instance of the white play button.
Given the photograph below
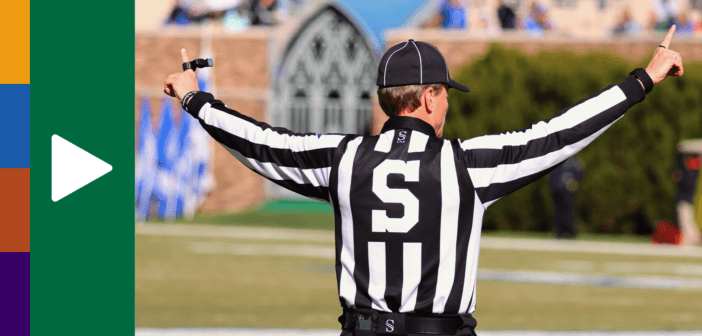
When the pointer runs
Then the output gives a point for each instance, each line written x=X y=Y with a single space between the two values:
x=72 y=168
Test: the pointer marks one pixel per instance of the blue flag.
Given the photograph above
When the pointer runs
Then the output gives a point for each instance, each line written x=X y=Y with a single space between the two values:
x=184 y=167
x=184 y=152
x=168 y=153
x=146 y=164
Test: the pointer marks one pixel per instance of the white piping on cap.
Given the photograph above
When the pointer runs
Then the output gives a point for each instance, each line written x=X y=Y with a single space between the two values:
x=442 y=56
x=421 y=75
x=385 y=73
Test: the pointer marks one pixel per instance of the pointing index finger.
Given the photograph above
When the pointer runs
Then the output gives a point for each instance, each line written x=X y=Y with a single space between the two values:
x=185 y=55
x=666 y=40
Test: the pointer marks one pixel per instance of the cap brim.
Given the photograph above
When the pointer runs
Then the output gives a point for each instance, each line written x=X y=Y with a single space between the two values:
x=458 y=86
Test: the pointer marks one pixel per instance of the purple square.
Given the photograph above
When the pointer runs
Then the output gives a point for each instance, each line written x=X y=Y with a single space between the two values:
x=14 y=293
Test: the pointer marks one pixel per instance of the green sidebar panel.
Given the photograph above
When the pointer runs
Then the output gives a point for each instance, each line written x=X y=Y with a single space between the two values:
x=82 y=89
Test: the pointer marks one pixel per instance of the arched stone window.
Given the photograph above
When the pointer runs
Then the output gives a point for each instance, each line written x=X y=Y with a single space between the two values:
x=326 y=77
x=300 y=112
x=363 y=112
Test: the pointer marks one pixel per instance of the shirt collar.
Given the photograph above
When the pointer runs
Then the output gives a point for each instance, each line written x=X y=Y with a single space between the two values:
x=409 y=123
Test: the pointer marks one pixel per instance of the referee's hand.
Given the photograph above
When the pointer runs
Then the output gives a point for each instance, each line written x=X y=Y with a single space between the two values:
x=665 y=62
x=178 y=84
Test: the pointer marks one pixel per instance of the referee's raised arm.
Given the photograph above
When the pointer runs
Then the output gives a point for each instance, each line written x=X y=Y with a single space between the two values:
x=299 y=162
x=499 y=164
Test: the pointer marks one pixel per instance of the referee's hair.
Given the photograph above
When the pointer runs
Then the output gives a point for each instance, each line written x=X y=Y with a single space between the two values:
x=394 y=99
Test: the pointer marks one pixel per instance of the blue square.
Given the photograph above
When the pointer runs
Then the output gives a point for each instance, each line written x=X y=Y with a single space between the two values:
x=14 y=126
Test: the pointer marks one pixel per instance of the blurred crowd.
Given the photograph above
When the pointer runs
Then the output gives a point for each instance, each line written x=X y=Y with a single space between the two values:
x=662 y=15
x=534 y=17
x=233 y=14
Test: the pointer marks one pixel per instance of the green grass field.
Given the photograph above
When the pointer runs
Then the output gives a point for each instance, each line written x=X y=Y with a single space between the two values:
x=313 y=215
x=215 y=281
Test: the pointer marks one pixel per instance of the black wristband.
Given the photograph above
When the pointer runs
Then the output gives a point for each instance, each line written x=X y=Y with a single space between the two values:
x=185 y=99
x=645 y=79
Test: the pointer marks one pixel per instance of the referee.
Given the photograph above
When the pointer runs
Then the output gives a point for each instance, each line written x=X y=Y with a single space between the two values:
x=408 y=205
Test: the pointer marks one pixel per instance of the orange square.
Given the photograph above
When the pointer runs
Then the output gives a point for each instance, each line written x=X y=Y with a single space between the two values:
x=14 y=49
x=14 y=210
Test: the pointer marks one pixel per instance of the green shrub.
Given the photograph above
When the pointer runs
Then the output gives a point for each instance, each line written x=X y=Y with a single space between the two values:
x=627 y=181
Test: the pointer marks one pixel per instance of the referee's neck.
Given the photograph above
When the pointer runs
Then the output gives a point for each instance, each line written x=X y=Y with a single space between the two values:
x=433 y=119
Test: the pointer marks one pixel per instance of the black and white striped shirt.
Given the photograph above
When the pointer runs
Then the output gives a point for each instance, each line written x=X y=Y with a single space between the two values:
x=409 y=206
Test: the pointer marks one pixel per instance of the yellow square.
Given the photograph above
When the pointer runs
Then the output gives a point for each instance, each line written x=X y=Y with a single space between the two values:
x=14 y=51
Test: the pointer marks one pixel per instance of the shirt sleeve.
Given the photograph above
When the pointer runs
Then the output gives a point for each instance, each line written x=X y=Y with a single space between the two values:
x=299 y=162
x=499 y=164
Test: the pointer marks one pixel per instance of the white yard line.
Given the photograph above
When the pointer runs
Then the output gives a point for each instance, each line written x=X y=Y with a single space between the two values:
x=310 y=251
x=616 y=267
x=327 y=332
x=543 y=245
x=495 y=243
x=241 y=232
x=521 y=276
x=602 y=280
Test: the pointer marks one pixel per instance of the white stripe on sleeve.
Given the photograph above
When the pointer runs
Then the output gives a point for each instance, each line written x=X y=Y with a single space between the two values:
x=483 y=177
x=576 y=115
x=314 y=176
x=267 y=137
x=254 y=134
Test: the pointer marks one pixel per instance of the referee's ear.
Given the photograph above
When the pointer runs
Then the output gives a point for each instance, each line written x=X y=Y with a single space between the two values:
x=429 y=99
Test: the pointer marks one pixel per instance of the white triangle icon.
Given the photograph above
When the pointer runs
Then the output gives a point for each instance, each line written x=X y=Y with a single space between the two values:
x=72 y=168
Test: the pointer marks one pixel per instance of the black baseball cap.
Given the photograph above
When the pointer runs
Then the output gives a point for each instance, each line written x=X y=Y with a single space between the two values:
x=414 y=63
